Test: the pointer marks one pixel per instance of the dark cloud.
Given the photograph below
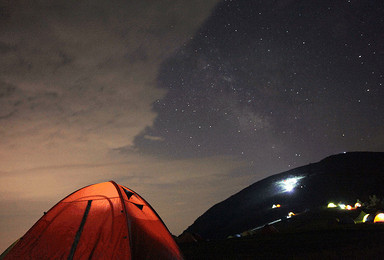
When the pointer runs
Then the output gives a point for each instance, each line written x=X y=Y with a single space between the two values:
x=6 y=89
x=4 y=48
x=8 y=100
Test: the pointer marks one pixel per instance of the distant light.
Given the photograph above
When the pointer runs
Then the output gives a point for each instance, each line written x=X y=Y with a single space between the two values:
x=349 y=207
x=276 y=206
x=332 y=205
x=357 y=205
x=290 y=214
x=289 y=184
x=342 y=206
x=365 y=218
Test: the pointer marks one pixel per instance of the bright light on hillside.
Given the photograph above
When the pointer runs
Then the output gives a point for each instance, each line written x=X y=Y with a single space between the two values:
x=332 y=205
x=288 y=185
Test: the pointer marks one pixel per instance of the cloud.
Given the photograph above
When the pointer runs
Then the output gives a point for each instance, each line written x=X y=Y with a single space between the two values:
x=84 y=73
x=77 y=81
x=91 y=66
x=8 y=104
x=153 y=138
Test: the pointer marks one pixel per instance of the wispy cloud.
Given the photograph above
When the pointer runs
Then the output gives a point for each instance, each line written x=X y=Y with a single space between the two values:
x=77 y=80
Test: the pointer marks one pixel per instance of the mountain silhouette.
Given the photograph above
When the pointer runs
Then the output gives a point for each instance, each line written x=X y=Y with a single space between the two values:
x=343 y=178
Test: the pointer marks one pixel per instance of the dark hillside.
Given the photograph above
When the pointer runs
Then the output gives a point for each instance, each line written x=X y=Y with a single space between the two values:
x=344 y=177
x=346 y=242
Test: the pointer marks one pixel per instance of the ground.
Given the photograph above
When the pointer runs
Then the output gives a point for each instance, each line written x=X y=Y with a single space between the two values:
x=336 y=241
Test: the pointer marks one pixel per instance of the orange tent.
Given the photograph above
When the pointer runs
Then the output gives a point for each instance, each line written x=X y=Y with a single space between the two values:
x=100 y=221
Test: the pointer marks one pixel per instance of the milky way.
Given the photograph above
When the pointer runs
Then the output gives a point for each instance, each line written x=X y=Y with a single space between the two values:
x=277 y=82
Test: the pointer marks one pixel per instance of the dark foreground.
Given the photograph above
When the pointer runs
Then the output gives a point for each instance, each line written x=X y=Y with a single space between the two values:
x=362 y=241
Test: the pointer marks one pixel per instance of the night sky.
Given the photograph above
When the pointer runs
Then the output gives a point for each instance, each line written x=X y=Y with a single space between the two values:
x=185 y=102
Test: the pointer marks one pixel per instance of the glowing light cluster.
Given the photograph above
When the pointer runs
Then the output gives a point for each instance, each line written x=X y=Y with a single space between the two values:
x=343 y=206
x=290 y=214
x=288 y=185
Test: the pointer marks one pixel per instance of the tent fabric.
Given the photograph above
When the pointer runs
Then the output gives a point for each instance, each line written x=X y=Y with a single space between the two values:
x=360 y=217
x=369 y=218
x=379 y=218
x=100 y=221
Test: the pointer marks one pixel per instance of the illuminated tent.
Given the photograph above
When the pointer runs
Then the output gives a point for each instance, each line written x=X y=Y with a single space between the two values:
x=100 y=221
x=379 y=218
x=369 y=218
x=361 y=217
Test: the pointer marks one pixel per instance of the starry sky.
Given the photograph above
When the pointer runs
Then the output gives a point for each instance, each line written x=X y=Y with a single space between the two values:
x=185 y=102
